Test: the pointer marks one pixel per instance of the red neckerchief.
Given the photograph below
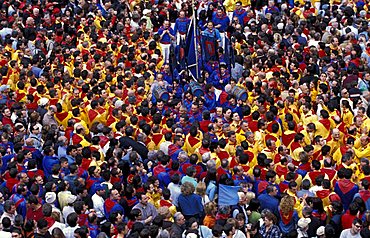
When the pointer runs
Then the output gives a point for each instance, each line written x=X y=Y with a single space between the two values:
x=286 y=218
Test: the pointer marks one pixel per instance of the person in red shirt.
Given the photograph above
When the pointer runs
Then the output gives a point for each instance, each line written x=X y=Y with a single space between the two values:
x=350 y=215
x=34 y=212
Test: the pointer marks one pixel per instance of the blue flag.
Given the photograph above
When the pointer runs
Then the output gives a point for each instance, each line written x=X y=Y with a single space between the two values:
x=209 y=48
x=191 y=52
x=229 y=55
x=228 y=195
x=180 y=55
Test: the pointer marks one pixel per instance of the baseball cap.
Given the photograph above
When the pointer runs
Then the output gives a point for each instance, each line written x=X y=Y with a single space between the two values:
x=320 y=231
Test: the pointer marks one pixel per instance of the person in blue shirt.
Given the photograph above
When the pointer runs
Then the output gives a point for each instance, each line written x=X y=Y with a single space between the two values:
x=166 y=36
x=210 y=98
x=49 y=160
x=189 y=202
x=222 y=22
x=111 y=204
x=195 y=114
x=181 y=27
x=168 y=75
x=220 y=78
x=271 y=8
x=211 y=39
x=19 y=200
x=92 y=224
x=71 y=153
x=268 y=200
x=240 y=13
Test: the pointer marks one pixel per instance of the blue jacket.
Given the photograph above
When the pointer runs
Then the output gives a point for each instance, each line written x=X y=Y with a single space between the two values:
x=166 y=37
x=223 y=20
x=181 y=25
x=5 y=160
x=191 y=205
x=241 y=15
x=195 y=117
x=215 y=33
x=112 y=206
x=269 y=202
x=210 y=101
x=346 y=190
x=20 y=204
x=47 y=164
x=94 y=230
x=286 y=228
x=211 y=190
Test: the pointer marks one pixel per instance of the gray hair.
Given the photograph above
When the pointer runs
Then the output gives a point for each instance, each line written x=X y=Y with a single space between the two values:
x=206 y=157
x=141 y=137
x=211 y=164
x=183 y=155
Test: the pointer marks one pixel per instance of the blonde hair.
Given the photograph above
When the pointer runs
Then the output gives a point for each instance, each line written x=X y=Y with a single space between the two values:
x=209 y=208
x=164 y=211
x=201 y=189
x=232 y=221
x=250 y=195
x=287 y=204
x=187 y=188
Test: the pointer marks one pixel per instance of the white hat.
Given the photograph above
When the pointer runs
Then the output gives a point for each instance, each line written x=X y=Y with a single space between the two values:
x=280 y=26
x=50 y=197
x=191 y=235
x=320 y=231
x=304 y=222
x=71 y=199
x=118 y=104
x=4 y=87
x=146 y=11
x=43 y=101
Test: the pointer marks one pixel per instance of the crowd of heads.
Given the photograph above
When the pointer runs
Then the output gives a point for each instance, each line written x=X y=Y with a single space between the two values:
x=106 y=131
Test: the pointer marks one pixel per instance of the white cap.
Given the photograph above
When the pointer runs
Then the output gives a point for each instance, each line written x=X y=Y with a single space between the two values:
x=280 y=26
x=320 y=231
x=71 y=199
x=4 y=87
x=43 y=101
x=50 y=197
x=146 y=11
x=304 y=222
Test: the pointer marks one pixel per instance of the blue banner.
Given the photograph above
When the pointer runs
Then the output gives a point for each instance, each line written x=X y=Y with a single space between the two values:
x=228 y=195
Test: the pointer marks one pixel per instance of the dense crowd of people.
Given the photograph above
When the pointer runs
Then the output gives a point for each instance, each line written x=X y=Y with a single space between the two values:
x=106 y=131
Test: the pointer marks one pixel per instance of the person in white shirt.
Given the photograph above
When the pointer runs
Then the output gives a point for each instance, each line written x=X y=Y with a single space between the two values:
x=168 y=141
x=354 y=231
x=50 y=198
x=72 y=225
x=47 y=211
x=69 y=208
x=175 y=189
x=9 y=211
x=98 y=201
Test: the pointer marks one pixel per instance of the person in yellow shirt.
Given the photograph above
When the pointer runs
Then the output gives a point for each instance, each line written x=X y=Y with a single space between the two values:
x=307 y=116
x=260 y=134
x=309 y=133
x=230 y=7
x=364 y=150
x=193 y=140
x=292 y=191
x=270 y=150
x=292 y=109
x=335 y=141
x=347 y=114
x=361 y=112
x=241 y=131
x=231 y=144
